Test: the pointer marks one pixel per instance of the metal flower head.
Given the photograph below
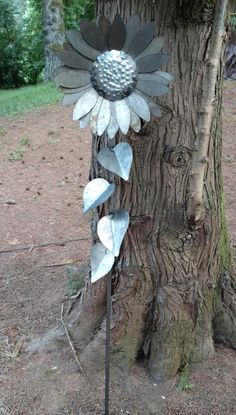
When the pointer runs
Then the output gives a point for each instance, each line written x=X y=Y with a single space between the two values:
x=110 y=72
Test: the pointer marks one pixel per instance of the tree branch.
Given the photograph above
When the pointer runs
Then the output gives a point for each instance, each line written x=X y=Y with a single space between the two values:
x=201 y=145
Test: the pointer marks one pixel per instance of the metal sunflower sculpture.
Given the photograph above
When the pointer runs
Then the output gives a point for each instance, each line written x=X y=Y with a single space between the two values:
x=109 y=73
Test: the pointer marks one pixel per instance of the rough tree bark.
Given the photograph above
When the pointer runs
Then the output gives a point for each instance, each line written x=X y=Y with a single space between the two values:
x=168 y=284
x=53 y=20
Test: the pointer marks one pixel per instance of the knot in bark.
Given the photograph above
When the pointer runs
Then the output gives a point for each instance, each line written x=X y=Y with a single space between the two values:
x=177 y=156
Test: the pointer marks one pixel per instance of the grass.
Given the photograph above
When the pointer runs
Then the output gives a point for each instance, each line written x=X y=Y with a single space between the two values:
x=14 y=102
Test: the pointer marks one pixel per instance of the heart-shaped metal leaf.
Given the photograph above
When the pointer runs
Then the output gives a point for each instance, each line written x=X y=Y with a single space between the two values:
x=101 y=261
x=118 y=159
x=112 y=229
x=97 y=192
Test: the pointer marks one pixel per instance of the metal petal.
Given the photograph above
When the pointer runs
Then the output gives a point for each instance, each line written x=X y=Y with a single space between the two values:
x=142 y=39
x=132 y=28
x=77 y=41
x=123 y=115
x=151 y=87
x=84 y=122
x=154 y=108
x=97 y=192
x=135 y=121
x=94 y=115
x=113 y=125
x=140 y=106
x=101 y=261
x=74 y=60
x=105 y=27
x=151 y=63
x=93 y=36
x=156 y=77
x=118 y=33
x=165 y=76
x=70 y=99
x=73 y=90
x=103 y=116
x=112 y=229
x=85 y=104
x=71 y=78
x=118 y=159
x=155 y=46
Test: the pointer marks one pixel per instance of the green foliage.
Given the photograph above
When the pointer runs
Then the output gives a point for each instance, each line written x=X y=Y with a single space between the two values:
x=75 y=281
x=233 y=22
x=75 y=10
x=16 y=101
x=184 y=382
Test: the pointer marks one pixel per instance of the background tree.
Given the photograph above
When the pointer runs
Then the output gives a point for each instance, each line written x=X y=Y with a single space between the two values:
x=172 y=283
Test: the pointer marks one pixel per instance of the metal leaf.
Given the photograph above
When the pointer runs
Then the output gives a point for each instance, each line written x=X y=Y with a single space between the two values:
x=93 y=36
x=105 y=27
x=140 y=106
x=142 y=39
x=165 y=76
x=155 y=46
x=135 y=121
x=97 y=192
x=113 y=125
x=132 y=28
x=103 y=116
x=101 y=261
x=85 y=104
x=151 y=63
x=118 y=33
x=151 y=87
x=84 y=122
x=77 y=41
x=71 y=78
x=70 y=99
x=123 y=115
x=94 y=115
x=112 y=229
x=74 y=60
x=118 y=159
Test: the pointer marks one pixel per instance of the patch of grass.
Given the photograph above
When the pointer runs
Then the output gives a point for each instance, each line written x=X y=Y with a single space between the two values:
x=16 y=155
x=2 y=130
x=25 y=141
x=184 y=382
x=17 y=101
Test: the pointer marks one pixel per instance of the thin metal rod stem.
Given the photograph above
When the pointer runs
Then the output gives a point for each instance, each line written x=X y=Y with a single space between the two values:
x=108 y=337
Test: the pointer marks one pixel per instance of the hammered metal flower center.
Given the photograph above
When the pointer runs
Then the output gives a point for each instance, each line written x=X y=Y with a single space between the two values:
x=114 y=75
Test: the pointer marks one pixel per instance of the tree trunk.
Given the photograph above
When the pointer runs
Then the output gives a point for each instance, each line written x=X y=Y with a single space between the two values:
x=53 y=20
x=167 y=287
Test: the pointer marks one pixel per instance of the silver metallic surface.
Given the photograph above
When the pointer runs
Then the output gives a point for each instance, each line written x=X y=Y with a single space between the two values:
x=132 y=28
x=152 y=87
x=118 y=159
x=94 y=115
x=70 y=99
x=112 y=229
x=114 y=75
x=142 y=39
x=101 y=261
x=123 y=115
x=74 y=60
x=152 y=63
x=103 y=117
x=97 y=192
x=117 y=33
x=77 y=41
x=92 y=35
x=85 y=104
x=140 y=106
x=135 y=121
x=113 y=126
x=155 y=46
x=84 y=121
x=71 y=78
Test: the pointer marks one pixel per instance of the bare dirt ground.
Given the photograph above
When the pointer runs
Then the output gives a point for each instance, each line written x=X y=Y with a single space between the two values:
x=44 y=161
